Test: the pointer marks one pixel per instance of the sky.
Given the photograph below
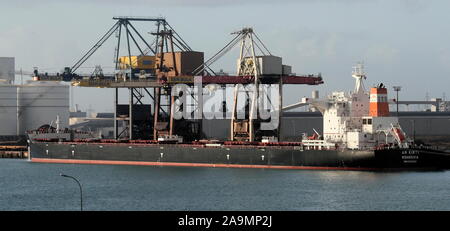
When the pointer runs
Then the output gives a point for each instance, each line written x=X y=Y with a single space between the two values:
x=401 y=42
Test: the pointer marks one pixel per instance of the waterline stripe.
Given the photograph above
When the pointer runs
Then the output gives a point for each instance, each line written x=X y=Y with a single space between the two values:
x=146 y=163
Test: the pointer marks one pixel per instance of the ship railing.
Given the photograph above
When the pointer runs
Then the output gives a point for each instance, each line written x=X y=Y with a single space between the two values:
x=385 y=147
x=48 y=139
x=389 y=147
x=319 y=145
x=301 y=145
x=62 y=131
x=427 y=147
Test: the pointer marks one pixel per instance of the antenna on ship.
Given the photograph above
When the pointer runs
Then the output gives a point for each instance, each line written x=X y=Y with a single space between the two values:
x=358 y=74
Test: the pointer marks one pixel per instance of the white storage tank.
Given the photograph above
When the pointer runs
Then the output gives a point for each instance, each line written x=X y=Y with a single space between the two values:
x=40 y=103
x=8 y=110
x=7 y=69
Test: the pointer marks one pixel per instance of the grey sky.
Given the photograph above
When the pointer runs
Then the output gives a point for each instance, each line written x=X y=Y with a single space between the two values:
x=401 y=42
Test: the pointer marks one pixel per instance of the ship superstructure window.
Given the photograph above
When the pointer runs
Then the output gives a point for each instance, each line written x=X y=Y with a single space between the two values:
x=382 y=98
x=367 y=121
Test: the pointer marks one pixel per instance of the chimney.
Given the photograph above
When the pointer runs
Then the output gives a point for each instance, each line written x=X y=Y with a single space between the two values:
x=379 y=106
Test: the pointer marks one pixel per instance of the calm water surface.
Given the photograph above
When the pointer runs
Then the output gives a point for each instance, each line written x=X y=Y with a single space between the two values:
x=36 y=186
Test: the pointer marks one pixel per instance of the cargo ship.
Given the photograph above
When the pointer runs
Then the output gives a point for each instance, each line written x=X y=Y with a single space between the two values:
x=358 y=134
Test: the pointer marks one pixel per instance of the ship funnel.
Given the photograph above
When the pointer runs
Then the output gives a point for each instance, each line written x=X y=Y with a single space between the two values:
x=378 y=101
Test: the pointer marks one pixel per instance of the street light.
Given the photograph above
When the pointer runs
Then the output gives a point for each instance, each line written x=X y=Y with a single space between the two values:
x=397 y=89
x=81 y=191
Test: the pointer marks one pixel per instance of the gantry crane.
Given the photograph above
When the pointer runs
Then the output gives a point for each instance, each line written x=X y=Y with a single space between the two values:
x=166 y=72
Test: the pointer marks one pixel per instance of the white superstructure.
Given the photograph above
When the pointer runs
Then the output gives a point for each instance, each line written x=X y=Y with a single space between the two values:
x=356 y=120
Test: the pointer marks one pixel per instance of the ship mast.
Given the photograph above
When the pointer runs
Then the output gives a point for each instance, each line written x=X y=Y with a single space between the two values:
x=358 y=74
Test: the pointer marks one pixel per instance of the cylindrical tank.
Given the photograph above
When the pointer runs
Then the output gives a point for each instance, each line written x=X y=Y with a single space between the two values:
x=8 y=110
x=7 y=68
x=40 y=103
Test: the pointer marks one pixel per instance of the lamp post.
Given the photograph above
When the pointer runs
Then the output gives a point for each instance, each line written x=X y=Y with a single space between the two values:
x=81 y=191
x=397 y=89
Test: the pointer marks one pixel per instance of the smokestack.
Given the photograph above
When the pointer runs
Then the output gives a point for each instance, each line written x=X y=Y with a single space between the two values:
x=378 y=102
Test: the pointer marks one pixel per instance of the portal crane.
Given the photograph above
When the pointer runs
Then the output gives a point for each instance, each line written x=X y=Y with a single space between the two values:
x=164 y=72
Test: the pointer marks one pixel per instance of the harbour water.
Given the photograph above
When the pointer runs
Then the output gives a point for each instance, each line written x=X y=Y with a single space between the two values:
x=36 y=187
